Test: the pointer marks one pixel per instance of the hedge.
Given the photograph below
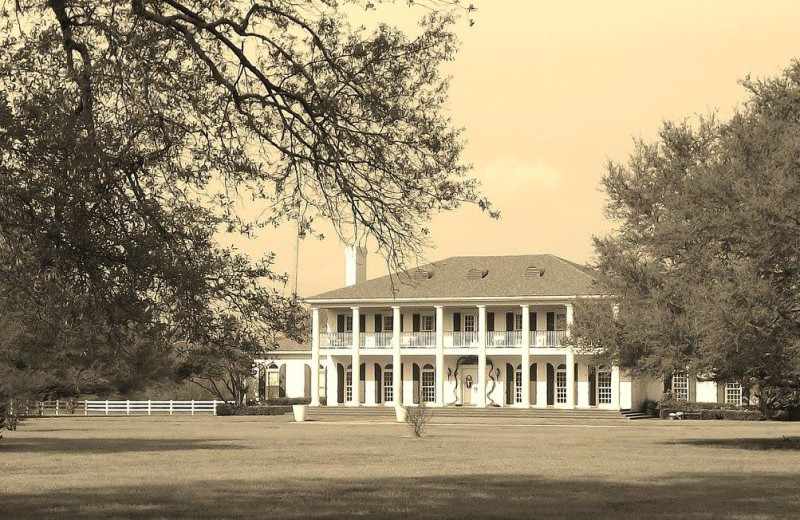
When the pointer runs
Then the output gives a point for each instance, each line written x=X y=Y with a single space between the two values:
x=288 y=401
x=714 y=414
x=227 y=409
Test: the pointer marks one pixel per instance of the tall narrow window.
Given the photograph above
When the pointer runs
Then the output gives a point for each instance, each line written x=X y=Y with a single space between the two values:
x=733 y=394
x=561 y=384
x=348 y=384
x=323 y=382
x=428 y=384
x=518 y=385
x=388 y=384
x=680 y=386
x=518 y=322
x=427 y=323
x=388 y=323
x=469 y=323
x=348 y=324
x=603 y=387
x=273 y=381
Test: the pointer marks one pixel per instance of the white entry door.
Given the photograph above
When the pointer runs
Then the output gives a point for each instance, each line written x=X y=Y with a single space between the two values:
x=469 y=384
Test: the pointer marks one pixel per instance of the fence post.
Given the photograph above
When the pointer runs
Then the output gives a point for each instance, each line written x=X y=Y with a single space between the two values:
x=57 y=407
x=128 y=407
x=215 y=407
x=106 y=406
x=192 y=406
x=149 y=406
x=85 y=407
x=170 y=406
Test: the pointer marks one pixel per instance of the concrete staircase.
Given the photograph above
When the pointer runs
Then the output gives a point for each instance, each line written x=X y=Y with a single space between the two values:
x=453 y=412
x=636 y=416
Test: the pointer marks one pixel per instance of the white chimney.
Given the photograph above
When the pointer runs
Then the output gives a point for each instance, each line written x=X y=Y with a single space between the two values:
x=355 y=265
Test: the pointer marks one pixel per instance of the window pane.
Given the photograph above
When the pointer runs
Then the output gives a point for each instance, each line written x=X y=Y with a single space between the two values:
x=604 y=387
x=680 y=386
x=428 y=386
x=469 y=323
x=561 y=387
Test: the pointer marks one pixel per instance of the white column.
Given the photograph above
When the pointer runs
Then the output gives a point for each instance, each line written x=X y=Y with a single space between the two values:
x=570 y=318
x=440 y=355
x=314 y=356
x=332 y=382
x=541 y=384
x=356 y=358
x=615 y=387
x=570 y=362
x=526 y=356
x=583 y=384
x=397 y=390
x=482 y=387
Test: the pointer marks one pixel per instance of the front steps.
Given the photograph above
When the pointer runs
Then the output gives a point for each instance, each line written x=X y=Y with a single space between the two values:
x=455 y=412
x=636 y=416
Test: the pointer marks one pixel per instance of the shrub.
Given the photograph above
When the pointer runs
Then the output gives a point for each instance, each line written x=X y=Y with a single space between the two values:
x=229 y=409
x=417 y=418
x=712 y=412
x=287 y=401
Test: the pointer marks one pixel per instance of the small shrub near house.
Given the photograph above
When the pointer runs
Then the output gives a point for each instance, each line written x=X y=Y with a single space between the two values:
x=229 y=409
x=287 y=401
x=708 y=411
x=417 y=418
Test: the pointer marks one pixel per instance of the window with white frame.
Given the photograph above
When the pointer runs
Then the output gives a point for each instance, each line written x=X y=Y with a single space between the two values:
x=428 y=384
x=561 y=384
x=518 y=385
x=388 y=384
x=348 y=384
x=680 y=386
x=427 y=323
x=603 y=387
x=348 y=324
x=518 y=322
x=469 y=323
x=733 y=394
x=388 y=323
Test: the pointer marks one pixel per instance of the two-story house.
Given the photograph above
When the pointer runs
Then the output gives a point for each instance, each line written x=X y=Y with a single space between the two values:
x=464 y=331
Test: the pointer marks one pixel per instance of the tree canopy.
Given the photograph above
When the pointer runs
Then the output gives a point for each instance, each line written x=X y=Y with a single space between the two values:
x=131 y=129
x=704 y=262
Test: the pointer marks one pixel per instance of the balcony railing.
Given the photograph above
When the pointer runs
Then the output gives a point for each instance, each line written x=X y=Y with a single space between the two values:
x=336 y=340
x=504 y=339
x=461 y=339
x=417 y=339
x=376 y=339
x=547 y=338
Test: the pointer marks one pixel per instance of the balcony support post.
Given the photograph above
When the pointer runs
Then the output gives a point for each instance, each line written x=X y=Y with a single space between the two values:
x=356 y=358
x=440 y=355
x=482 y=387
x=397 y=388
x=526 y=356
x=314 y=356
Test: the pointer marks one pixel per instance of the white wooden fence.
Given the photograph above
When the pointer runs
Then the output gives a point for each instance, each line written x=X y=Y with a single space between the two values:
x=109 y=407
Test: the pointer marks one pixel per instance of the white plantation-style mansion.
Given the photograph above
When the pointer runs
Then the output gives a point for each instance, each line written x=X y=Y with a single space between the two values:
x=464 y=331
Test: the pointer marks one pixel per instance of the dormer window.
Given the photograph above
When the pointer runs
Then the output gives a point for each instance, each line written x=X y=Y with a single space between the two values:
x=533 y=272
x=423 y=274
x=477 y=274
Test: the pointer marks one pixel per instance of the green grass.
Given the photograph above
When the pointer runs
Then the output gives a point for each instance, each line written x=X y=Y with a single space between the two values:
x=269 y=467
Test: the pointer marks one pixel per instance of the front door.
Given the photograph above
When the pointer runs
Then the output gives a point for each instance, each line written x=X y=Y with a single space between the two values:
x=469 y=384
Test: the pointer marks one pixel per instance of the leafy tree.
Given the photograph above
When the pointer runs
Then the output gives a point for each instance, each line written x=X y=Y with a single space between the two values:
x=131 y=130
x=704 y=263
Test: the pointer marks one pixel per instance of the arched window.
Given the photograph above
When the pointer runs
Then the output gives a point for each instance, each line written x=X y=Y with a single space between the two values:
x=348 y=384
x=518 y=385
x=561 y=384
x=388 y=383
x=428 y=384
x=273 y=381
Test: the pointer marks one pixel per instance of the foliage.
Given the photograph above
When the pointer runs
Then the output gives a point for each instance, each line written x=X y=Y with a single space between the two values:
x=283 y=401
x=703 y=264
x=229 y=409
x=417 y=418
x=131 y=134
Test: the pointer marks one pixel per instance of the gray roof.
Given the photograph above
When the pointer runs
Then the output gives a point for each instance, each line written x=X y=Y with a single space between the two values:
x=476 y=277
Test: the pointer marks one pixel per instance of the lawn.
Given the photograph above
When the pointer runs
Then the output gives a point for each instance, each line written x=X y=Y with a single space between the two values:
x=268 y=467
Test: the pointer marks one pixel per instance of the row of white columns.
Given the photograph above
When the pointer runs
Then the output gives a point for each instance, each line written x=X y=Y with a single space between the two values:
x=439 y=354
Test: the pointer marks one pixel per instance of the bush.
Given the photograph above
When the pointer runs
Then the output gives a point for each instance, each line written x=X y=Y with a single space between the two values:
x=229 y=409
x=417 y=417
x=287 y=401
x=712 y=413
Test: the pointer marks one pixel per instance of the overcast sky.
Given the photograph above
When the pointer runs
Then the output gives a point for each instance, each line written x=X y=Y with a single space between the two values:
x=549 y=91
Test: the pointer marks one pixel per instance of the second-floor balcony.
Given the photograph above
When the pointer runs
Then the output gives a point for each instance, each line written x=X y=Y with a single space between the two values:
x=458 y=339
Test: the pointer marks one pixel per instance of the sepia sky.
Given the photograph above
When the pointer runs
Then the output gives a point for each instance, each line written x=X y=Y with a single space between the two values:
x=549 y=91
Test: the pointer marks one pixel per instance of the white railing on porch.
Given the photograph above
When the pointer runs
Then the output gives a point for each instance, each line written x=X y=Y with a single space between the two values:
x=461 y=339
x=376 y=339
x=336 y=340
x=504 y=339
x=547 y=338
x=418 y=339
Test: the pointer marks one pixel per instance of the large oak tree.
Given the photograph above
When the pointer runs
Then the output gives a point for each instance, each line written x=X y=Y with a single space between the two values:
x=131 y=130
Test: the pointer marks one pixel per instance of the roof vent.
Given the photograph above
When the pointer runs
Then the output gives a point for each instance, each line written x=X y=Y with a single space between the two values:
x=533 y=272
x=423 y=274
x=475 y=273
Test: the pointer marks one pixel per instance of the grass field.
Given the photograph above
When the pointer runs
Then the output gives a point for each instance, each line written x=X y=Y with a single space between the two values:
x=271 y=468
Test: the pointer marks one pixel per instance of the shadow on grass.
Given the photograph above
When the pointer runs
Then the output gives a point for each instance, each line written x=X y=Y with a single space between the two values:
x=108 y=446
x=697 y=495
x=754 y=443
